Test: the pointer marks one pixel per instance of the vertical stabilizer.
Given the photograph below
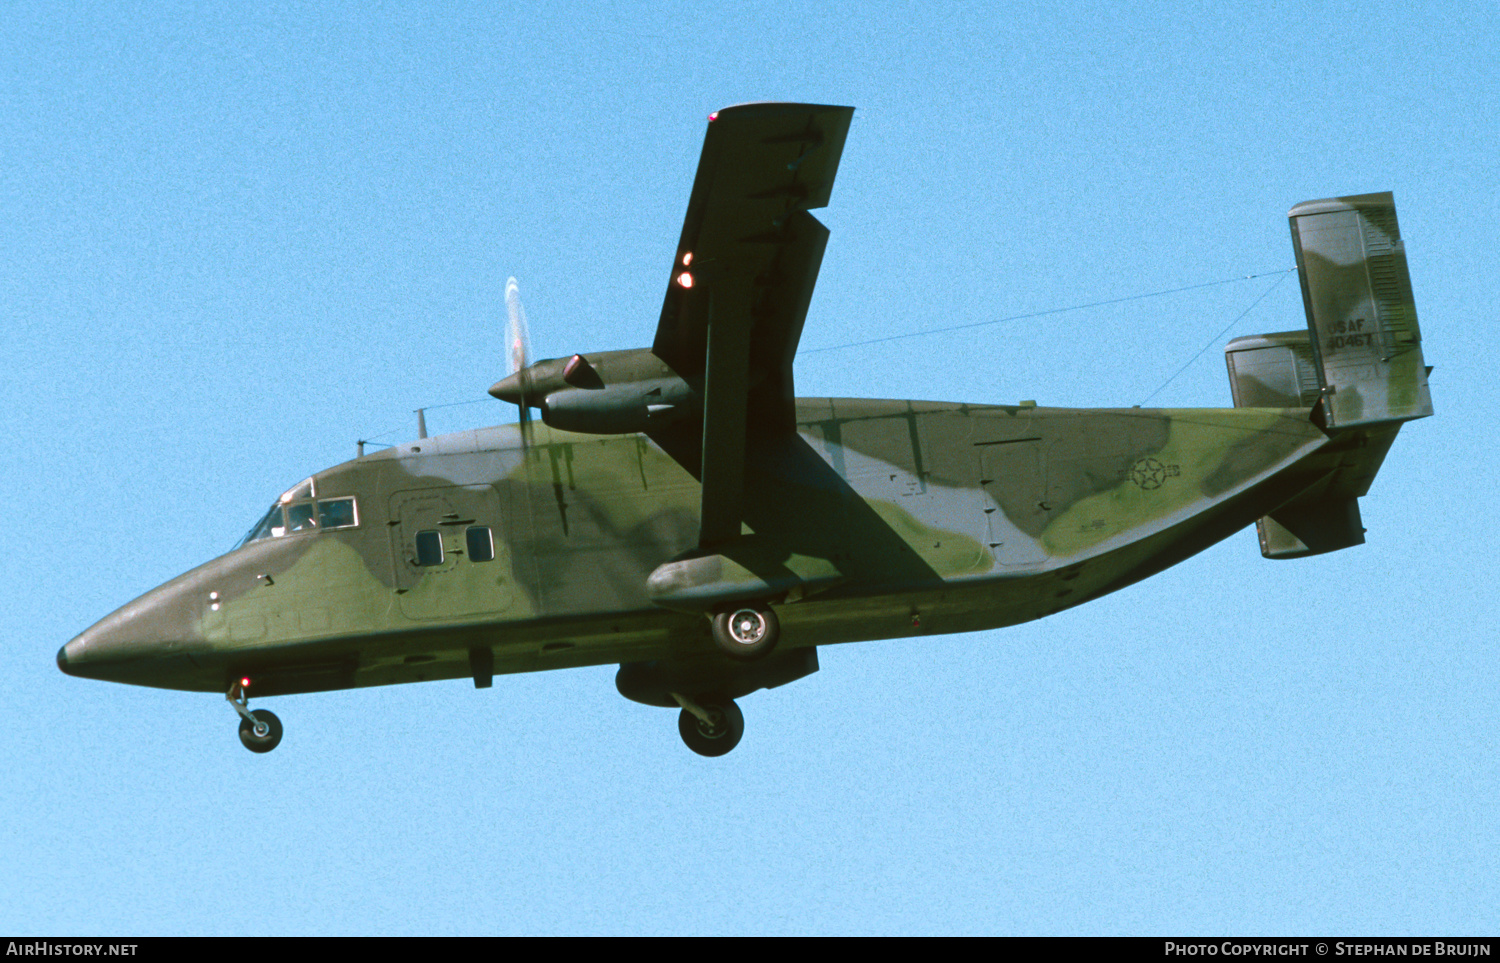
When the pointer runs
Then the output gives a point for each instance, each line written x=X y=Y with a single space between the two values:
x=1360 y=311
x=1357 y=368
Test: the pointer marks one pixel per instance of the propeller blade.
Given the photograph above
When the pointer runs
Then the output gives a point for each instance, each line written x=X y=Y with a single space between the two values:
x=519 y=341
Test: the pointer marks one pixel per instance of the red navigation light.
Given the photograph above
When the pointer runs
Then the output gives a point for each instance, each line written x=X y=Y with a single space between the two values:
x=713 y=117
x=685 y=279
x=687 y=259
x=245 y=682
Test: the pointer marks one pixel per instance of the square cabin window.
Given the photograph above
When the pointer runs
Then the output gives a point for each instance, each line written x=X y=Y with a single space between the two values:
x=481 y=543
x=429 y=548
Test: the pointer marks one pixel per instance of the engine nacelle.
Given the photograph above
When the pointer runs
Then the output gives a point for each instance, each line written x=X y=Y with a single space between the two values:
x=610 y=393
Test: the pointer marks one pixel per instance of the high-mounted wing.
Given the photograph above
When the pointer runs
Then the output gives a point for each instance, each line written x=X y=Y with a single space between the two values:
x=742 y=280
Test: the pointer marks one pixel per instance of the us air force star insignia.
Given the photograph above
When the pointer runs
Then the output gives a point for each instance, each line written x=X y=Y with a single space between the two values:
x=1149 y=473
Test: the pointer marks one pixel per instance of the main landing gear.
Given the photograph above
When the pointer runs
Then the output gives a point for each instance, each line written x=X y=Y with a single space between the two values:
x=746 y=632
x=710 y=726
x=260 y=731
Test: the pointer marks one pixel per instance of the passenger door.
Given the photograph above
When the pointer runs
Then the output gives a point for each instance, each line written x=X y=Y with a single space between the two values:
x=451 y=560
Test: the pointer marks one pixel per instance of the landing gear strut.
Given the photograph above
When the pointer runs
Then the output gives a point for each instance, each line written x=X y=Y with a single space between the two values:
x=746 y=632
x=710 y=726
x=260 y=731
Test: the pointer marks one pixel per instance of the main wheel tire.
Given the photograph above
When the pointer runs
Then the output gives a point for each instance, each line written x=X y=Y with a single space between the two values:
x=718 y=737
x=746 y=632
x=261 y=743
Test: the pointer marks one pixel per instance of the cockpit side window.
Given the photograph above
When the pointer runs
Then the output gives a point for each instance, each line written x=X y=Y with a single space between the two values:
x=337 y=513
x=300 y=517
x=287 y=516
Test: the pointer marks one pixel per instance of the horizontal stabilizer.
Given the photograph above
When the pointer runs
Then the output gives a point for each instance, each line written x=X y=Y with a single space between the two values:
x=1273 y=371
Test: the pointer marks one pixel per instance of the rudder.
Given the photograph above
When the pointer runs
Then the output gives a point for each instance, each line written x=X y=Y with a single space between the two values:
x=1361 y=316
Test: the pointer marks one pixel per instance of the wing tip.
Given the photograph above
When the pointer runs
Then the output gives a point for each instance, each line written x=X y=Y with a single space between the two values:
x=770 y=108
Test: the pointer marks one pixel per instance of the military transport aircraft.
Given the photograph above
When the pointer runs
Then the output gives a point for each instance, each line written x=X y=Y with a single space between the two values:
x=680 y=512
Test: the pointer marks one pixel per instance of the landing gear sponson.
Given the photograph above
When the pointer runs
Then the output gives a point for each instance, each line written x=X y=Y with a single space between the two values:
x=704 y=688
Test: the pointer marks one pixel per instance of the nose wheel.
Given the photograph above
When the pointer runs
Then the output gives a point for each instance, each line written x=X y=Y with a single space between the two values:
x=260 y=731
x=262 y=735
x=710 y=726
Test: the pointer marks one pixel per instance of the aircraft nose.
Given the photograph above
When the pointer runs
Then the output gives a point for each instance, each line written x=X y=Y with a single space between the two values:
x=70 y=655
x=115 y=650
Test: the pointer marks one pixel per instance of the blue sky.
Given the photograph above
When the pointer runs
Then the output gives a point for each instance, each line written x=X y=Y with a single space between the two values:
x=235 y=239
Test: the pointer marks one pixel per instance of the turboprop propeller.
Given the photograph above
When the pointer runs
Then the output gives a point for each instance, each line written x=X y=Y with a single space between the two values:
x=607 y=393
x=519 y=340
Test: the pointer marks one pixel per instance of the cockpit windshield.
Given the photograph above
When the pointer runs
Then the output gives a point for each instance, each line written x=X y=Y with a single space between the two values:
x=272 y=524
x=298 y=512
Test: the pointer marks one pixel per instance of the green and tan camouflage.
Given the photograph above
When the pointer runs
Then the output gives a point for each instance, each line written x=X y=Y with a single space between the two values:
x=667 y=489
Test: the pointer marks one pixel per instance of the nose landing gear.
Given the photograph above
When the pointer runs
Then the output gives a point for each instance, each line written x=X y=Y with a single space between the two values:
x=260 y=731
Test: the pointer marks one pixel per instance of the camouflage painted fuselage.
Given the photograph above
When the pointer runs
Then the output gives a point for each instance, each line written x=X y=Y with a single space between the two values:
x=877 y=519
x=679 y=502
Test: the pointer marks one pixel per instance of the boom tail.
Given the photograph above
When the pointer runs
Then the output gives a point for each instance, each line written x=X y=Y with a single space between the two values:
x=1357 y=368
